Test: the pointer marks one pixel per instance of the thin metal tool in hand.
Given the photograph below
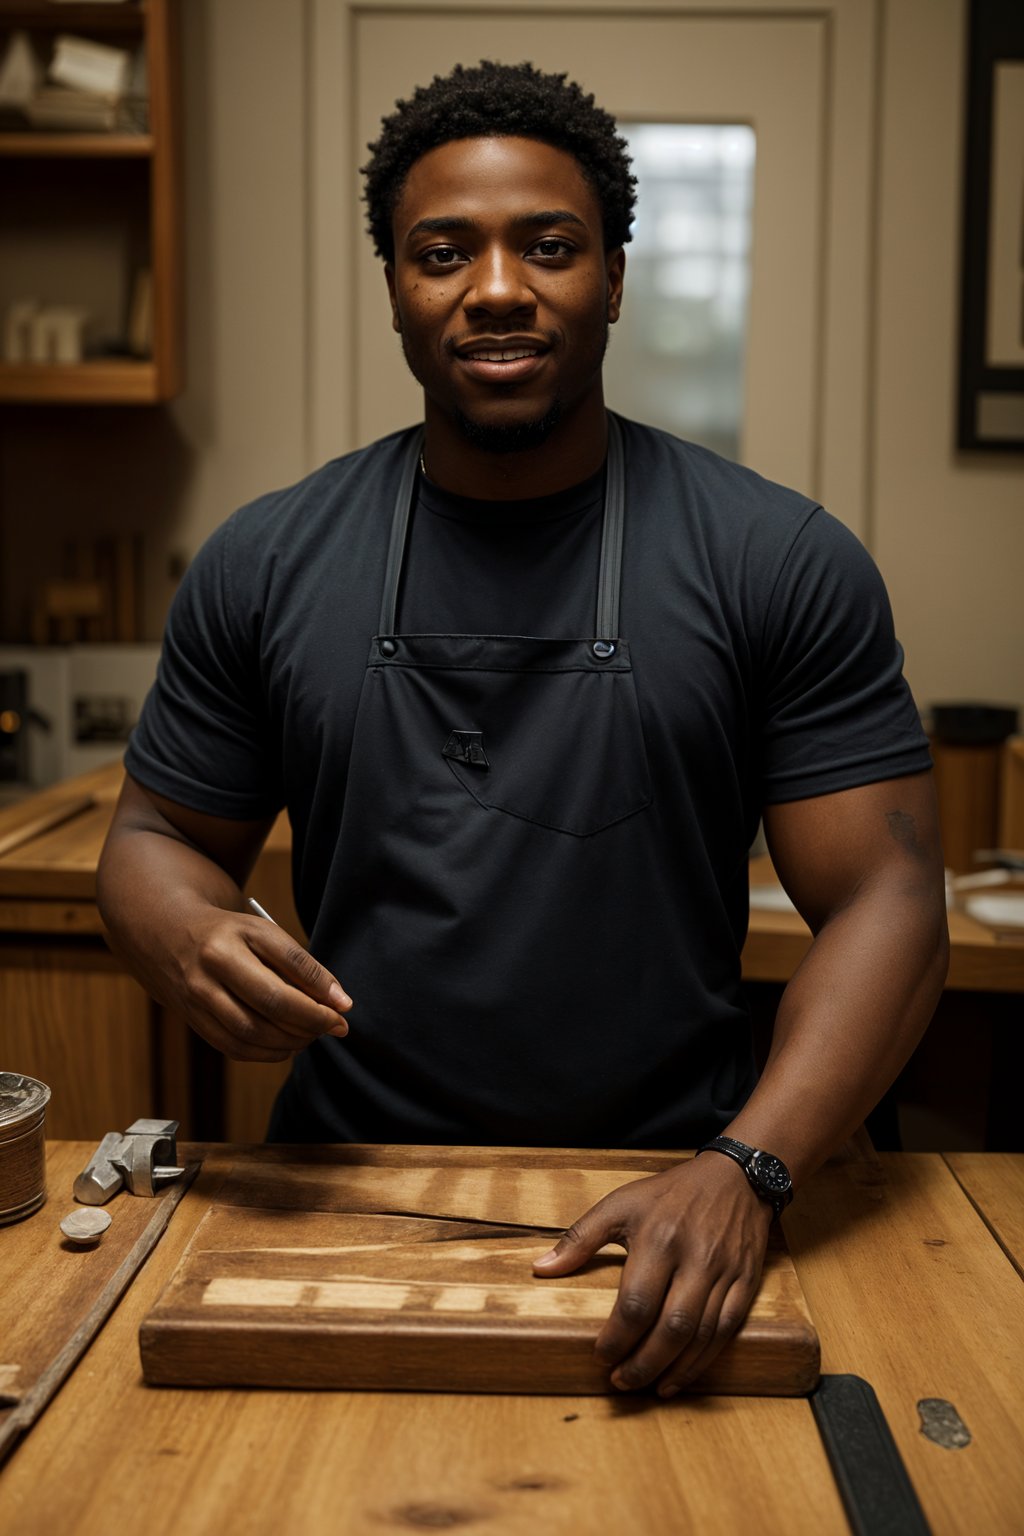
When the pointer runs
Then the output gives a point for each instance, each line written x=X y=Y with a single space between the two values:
x=262 y=912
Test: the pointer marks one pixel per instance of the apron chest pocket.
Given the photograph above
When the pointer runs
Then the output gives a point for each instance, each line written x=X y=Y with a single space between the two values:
x=557 y=745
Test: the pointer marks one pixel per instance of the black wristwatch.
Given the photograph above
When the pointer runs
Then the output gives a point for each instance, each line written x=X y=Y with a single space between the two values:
x=768 y=1176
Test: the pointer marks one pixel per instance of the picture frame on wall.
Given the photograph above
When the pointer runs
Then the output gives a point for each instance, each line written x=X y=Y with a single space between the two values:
x=991 y=393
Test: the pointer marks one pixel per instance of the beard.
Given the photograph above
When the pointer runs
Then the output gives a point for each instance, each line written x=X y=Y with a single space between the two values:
x=514 y=436
x=511 y=437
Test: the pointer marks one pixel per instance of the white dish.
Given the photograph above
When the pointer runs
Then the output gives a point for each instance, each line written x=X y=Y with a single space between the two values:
x=770 y=898
x=1005 y=911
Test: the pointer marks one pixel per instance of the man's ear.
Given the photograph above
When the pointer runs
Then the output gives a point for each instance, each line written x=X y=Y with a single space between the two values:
x=389 y=278
x=616 y=265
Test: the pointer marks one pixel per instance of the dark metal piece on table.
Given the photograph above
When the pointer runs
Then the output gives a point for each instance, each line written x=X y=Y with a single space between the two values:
x=873 y=1483
x=941 y=1424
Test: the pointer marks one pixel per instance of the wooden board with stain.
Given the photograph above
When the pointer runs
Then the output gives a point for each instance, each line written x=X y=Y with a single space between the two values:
x=329 y=1271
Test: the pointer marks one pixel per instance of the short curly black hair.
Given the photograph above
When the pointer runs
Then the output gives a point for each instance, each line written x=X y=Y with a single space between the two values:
x=492 y=99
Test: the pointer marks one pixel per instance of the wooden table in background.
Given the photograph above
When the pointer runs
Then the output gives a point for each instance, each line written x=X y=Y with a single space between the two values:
x=912 y=1267
x=980 y=959
x=66 y=1000
x=967 y=1070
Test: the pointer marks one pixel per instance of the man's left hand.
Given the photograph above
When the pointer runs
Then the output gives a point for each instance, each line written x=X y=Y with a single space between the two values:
x=695 y=1238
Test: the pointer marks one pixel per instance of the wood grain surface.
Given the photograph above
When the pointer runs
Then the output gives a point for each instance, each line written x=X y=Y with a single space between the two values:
x=994 y=1184
x=299 y=1277
x=911 y=1317
x=59 y=1296
x=909 y=1289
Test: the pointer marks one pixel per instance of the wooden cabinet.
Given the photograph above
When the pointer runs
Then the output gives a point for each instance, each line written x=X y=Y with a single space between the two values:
x=1011 y=806
x=84 y=214
x=69 y=1013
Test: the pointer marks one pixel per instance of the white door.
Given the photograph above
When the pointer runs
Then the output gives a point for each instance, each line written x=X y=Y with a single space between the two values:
x=794 y=77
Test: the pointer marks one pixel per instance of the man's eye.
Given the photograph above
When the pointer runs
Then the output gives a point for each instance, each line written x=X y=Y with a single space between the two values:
x=552 y=247
x=441 y=256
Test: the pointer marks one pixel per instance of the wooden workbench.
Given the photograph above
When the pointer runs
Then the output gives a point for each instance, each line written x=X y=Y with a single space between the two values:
x=913 y=1270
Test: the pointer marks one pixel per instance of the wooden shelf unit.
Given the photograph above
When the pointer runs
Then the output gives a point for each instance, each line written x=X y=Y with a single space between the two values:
x=67 y=146
x=99 y=381
x=153 y=202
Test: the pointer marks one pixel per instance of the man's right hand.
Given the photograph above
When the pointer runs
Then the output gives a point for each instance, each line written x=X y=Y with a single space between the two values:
x=169 y=888
x=252 y=991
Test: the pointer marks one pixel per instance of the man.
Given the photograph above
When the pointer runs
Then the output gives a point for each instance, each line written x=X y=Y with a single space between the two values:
x=526 y=684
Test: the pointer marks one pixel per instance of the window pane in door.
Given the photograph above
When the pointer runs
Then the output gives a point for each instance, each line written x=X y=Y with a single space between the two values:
x=676 y=356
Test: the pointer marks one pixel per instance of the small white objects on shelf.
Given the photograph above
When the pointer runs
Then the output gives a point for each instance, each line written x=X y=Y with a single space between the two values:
x=52 y=333
x=18 y=319
x=21 y=73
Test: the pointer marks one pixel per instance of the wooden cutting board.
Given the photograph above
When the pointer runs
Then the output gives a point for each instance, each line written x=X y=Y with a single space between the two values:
x=327 y=1271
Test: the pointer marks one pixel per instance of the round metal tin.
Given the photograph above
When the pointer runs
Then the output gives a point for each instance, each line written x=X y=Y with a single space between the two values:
x=23 y=1102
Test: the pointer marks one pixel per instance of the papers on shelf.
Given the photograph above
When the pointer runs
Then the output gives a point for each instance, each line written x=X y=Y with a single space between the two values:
x=92 y=68
x=89 y=87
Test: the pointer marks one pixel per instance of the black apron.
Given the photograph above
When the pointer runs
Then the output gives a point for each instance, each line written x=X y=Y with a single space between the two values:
x=491 y=907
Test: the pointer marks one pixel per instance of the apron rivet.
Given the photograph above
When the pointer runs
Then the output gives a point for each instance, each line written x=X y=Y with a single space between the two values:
x=388 y=648
x=603 y=649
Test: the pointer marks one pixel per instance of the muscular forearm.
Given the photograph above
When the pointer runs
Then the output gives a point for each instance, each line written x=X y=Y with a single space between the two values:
x=169 y=890
x=848 y=1020
x=151 y=889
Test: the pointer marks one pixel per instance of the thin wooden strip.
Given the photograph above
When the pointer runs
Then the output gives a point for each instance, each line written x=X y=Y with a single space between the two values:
x=64 y=1362
x=40 y=821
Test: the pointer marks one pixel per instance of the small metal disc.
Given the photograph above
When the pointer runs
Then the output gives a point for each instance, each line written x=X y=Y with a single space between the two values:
x=86 y=1225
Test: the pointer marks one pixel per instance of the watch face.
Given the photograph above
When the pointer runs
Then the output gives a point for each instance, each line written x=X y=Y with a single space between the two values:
x=772 y=1174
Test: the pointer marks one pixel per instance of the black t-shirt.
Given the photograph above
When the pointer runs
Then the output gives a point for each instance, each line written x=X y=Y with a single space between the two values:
x=585 y=989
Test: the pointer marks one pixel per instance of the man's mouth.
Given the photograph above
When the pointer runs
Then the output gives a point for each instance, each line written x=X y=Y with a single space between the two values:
x=500 y=359
x=494 y=355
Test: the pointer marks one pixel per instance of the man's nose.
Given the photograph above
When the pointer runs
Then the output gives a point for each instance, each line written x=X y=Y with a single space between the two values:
x=499 y=284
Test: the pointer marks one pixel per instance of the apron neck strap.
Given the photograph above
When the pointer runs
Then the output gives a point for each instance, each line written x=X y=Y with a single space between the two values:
x=609 y=574
x=399 y=528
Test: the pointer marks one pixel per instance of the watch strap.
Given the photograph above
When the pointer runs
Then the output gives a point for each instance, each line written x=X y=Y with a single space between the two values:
x=746 y=1157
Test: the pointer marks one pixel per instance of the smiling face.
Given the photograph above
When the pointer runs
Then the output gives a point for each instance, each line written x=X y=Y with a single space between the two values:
x=502 y=292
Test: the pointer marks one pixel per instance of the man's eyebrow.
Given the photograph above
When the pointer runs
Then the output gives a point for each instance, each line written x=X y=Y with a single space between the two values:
x=454 y=223
x=548 y=216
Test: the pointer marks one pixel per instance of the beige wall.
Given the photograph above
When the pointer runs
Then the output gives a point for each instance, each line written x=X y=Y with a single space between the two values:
x=244 y=408
x=947 y=529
